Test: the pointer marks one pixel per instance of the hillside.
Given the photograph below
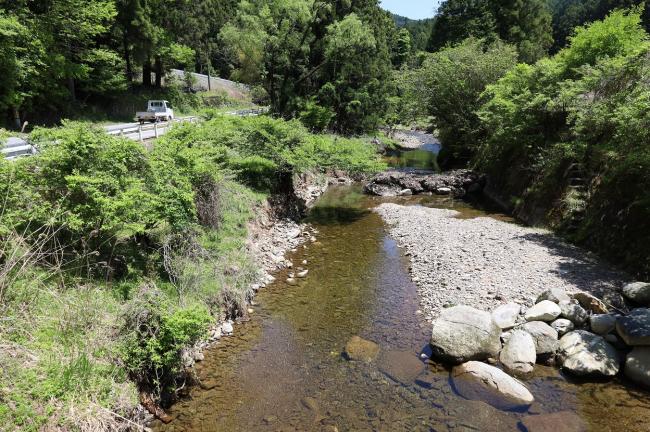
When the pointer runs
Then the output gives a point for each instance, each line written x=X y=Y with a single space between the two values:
x=420 y=30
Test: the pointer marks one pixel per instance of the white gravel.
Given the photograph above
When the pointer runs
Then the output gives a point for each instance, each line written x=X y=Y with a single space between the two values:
x=484 y=262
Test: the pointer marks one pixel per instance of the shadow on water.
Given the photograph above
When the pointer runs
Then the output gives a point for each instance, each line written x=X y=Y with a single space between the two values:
x=341 y=205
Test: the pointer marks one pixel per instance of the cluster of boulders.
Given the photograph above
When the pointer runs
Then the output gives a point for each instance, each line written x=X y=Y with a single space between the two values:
x=455 y=183
x=576 y=331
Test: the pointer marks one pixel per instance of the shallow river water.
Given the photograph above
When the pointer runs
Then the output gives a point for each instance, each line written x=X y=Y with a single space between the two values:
x=283 y=369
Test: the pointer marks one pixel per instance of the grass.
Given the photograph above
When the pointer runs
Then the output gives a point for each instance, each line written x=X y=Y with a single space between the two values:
x=145 y=252
x=60 y=364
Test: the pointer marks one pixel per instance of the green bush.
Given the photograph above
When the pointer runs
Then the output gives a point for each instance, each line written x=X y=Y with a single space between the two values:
x=449 y=85
x=316 y=117
x=101 y=194
x=261 y=151
x=154 y=334
x=259 y=95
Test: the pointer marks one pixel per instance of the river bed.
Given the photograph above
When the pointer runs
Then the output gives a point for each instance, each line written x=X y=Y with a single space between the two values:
x=283 y=370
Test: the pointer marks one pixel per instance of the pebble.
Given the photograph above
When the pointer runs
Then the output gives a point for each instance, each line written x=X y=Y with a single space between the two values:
x=483 y=261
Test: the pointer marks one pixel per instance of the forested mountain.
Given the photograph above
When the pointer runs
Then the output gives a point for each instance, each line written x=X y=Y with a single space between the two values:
x=419 y=30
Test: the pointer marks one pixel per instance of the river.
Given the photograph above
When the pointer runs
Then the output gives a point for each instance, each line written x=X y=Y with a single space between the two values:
x=283 y=370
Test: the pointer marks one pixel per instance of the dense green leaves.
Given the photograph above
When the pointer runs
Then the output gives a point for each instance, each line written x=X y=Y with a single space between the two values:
x=318 y=54
x=448 y=87
x=524 y=23
x=588 y=105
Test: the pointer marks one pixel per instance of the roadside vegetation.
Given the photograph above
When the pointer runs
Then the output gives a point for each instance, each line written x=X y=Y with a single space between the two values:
x=113 y=259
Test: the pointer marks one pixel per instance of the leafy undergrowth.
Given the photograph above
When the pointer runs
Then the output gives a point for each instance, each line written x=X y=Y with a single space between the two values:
x=114 y=259
x=581 y=116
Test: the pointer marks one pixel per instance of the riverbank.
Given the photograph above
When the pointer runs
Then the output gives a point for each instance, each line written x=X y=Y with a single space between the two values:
x=485 y=262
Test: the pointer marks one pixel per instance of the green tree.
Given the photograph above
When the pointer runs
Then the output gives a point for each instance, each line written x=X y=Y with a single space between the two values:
x=21 y=60
x=335 y=55
x=459 y=19
x=401 y=47
x=449 y=86
x=587 y=105
x=526 y=24
x=569 y=14
x=523 y=23
x=70 y=30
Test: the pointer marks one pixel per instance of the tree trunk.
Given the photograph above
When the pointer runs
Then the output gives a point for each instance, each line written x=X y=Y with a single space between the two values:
x=159 y=72
x=127 y=58
x=71 y=89
x=146 y=73
x=16 y=115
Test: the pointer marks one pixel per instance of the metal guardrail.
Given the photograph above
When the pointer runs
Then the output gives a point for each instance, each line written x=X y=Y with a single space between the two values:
x=249 y=112
x=17 y=147
x=142 y=132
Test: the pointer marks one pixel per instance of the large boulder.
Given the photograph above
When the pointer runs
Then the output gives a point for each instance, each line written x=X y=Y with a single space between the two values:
x=505 y=316
x=637 y=366
x=462 y=333
x=602 y=324
x=555 y=295
x=563 y=421
x=573 y=312
x=359 y=349
x=518 y=355
x=586 y=354
x=590 y=302
x=545 y=310
x=544 y=335
x=479 y=381
x=638 y=292
x=562 y=326
x=634 y=328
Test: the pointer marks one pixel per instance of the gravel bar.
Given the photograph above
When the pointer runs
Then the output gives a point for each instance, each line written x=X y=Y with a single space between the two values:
x=484 y=262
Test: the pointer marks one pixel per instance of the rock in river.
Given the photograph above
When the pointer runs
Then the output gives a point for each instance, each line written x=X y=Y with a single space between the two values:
x=544 y=335
x=462 y=333
x=562 y=326
x=638 y=292
x=555 y=295
x=602 y=323
x=573 y=312
x=360 y=349
x=478 y=381
x=634 y=328
x=401 y=366
x=518 y=355
x=545 y=310
x=505 y=316
x=587 y=354
x=637 y=366
x=563 y=421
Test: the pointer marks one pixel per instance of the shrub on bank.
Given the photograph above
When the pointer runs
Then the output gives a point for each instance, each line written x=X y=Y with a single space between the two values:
x=113 y=259
x=579 y=117
x=262 y=152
